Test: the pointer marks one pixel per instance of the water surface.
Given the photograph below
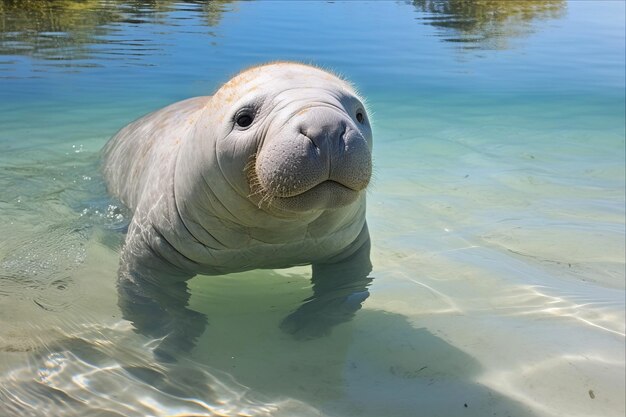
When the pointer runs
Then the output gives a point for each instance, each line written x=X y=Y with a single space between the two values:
x=496 y=211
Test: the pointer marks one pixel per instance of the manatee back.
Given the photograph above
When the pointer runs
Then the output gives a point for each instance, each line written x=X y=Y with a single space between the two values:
x=147 y=148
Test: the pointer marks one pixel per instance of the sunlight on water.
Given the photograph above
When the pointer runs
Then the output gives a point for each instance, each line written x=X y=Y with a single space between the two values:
x=497 y=211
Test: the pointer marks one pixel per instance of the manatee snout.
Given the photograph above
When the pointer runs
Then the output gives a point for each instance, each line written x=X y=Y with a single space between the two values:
x=320 y=152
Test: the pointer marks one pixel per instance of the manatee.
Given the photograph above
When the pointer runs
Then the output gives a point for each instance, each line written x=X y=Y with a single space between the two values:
x=269 y=172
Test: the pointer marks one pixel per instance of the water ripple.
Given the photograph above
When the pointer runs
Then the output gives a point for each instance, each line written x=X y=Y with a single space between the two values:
x=89 y=375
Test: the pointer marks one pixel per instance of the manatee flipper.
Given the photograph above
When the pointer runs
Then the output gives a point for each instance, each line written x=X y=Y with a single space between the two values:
x=339 y=289
x=154 y=299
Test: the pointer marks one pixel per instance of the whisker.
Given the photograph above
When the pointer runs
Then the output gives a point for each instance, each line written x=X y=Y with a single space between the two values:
x=254 y=184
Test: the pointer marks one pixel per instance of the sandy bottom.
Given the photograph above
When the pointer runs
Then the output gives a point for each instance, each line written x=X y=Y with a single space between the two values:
x=491 y=297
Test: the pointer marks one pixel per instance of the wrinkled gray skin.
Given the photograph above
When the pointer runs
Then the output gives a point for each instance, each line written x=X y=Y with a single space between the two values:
x=211 y=196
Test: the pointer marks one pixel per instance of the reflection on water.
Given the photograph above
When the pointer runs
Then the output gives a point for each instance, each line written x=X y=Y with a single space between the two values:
x=69 y=32
x=486 y=24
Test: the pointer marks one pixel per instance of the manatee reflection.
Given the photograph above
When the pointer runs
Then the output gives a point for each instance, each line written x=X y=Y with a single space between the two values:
x=487 y=24
x=66 y=31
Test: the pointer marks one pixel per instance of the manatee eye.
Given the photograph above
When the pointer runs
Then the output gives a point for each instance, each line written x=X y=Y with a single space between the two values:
x=360 y=117
x=244 y=120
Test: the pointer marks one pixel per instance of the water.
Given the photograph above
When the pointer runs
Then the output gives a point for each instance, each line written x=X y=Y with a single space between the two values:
x=496 y=212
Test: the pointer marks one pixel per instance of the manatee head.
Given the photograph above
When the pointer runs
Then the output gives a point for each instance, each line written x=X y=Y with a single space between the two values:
x=292 y=138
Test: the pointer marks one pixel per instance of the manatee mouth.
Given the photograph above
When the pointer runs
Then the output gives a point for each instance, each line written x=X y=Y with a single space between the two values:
x=326 y=185
x=332 y=183
x=326 y=194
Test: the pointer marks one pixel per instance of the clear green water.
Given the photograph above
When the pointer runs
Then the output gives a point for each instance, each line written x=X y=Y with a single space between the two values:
x=497 y=211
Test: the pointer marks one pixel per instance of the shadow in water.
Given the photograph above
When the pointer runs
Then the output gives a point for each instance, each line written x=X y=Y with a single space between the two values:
x=377 y=365
x=486 y=24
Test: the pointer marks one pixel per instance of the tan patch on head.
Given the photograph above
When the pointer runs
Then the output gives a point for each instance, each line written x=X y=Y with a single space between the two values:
x=276 y=63
x=247 y=74
x=236 y=81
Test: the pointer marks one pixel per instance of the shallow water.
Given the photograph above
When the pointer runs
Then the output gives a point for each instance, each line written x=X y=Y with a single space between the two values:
x=496 y=212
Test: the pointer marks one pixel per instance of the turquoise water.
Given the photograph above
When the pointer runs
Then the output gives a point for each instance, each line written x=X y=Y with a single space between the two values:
x=497 y=211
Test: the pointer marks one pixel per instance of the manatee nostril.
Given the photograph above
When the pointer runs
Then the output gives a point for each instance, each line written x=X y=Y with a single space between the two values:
x=303 y=132
x=345 y=129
